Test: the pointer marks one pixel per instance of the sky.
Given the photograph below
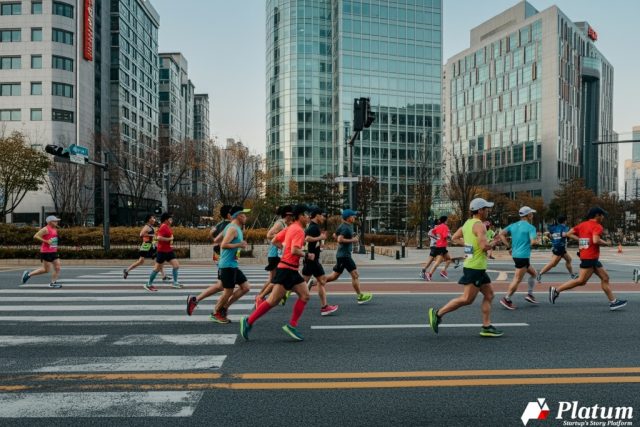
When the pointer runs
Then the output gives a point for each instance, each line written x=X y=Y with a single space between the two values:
x=224 y=43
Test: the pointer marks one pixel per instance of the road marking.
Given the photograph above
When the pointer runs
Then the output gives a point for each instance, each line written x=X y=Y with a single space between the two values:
x=114 y=307
x=111 y=364
x=109 y=404
x=118 y=319
x=49 y=340
x=502 y=275
x=111 y=377
x=448 y=325
x=192 y=339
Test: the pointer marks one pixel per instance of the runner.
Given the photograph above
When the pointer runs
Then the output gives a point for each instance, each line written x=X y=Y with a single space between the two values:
x=432 y=251
x=273 y=255
x=558 y=233
x=148 y=247
x=287 y=277
x=491 y=234
x=48 y=236
x=165 y=253
x=312 y=268
x=346 y=239
x=523 y=235
x=442 y=234
x=589 y=236
x=473 y=235
x=218 y=228
x=229 y=275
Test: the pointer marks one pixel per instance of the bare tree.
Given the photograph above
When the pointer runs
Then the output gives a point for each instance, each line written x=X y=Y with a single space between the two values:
x=367 y=193
x=72 y=198
x=463 y=182
x=234 y=173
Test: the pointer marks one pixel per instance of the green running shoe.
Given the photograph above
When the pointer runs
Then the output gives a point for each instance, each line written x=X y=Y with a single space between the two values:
x=434 y=320
x=490 y=331
x=284 y=299
x=365 y=297
x=292 y=332
x=245 y=327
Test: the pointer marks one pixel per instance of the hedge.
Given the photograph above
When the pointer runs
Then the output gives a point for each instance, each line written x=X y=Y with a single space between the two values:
x=11 y=253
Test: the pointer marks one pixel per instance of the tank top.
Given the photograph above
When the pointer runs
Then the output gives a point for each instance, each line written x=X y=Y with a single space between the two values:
x=147 y=240
x=476 y=258
x=228 y=257
x=51 y=234
x=274 y=252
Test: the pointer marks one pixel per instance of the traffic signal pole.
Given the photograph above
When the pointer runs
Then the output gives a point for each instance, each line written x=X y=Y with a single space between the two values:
x=106 y=241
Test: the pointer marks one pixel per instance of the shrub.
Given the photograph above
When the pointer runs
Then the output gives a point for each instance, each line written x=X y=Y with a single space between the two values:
x=380 y=239
x=21 y=253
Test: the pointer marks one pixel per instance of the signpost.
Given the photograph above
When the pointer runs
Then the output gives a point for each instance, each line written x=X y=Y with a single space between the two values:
x=78 y=154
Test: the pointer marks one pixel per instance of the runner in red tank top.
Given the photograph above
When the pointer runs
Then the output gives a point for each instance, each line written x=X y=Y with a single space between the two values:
x=48 y=236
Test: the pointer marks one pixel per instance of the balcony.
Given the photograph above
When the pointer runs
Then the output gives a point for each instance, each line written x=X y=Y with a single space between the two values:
x=591 y=68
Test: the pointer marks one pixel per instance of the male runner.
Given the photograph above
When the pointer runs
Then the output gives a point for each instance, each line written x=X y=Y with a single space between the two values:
x=287 y=277
x=48 y=236
x=312 y=268
x=148 y=247
x=165 y=253
x=432 y=251
x=229 y=275
x=491 y=234
x=473 y=235
x=441 y=233
x=346 y=238
x=218 y=228
x=273 y=255
x=589 y=236
x=523 y=235
x=558 y=233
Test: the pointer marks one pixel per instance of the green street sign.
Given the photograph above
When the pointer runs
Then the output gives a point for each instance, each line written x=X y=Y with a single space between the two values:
x=79 y=150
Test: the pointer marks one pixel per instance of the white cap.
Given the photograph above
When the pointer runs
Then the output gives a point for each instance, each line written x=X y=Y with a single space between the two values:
x=52 y=218
x=526 y=210
x=479 y=203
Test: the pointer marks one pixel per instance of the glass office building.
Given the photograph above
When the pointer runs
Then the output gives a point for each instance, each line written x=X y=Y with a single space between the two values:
x=321 y=54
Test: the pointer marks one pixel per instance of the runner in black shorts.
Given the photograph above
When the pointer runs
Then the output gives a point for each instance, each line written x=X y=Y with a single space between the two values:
x=558 y=233
x=147 y=248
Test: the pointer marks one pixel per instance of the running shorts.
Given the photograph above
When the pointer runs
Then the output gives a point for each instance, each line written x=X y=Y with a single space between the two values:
x=344 y=263
x=287 y=278
x=49 y=256
x=438 y=252
x=312 y=268
x=272 y=264
x=230 y=277
x=559 y=251
x=590 y=263
x=522 y=262
x=474 y=277
x=163 y=257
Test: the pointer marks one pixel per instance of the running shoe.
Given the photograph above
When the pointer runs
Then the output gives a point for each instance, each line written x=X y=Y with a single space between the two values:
x=422 y=274
x=25 y=276
x=192 y=303
x=224 y=312
x=56 y=285
x=508 y=304
x=125 y=274
x=444 y=274
x=328 y=309
x=434 y=319
x=176 y=285
x=553 y=295
x=530 y=298
x=365 y=297
x=311 y=283
x=456 y=263
x=575 y=276
x=292 y=332
x=636 y=274
x=427 y=277
x=150 y=287
x=166 y=278
x=492 y=257
x=490 y=331
x=218 y=317
x=245 y=327
x=284 y=299
x=617 y=304
x=539 y=278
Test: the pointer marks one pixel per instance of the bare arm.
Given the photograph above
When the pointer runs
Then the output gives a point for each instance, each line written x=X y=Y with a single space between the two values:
x=597 y=240
x=571 y=234
x=228 y=237
x=503 y=239
x=481 y=234
x=145 y=231
x=39 y=234
x=457 y=237
x=342 y=239
x=277 y=227
x=322 y=236
x=277 y=243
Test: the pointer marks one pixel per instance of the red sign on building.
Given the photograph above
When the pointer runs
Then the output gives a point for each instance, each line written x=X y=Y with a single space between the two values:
x=592 y=34
x=88 y=30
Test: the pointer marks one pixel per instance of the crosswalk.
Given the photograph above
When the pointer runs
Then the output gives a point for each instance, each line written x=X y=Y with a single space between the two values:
x=71 y=374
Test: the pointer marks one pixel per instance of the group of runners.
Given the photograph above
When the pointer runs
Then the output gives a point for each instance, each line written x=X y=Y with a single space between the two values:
x=473 y=236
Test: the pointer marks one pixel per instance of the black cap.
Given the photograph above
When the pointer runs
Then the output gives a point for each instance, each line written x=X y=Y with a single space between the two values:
x=224 y=211
x=315 y=211
x=443 y=218
x=165 y=216
x=299 y=210
x=594 y=211
x=561 y=219
x=284 y=210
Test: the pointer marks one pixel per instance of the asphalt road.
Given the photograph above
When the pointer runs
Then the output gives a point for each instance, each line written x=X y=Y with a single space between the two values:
x=103 y=351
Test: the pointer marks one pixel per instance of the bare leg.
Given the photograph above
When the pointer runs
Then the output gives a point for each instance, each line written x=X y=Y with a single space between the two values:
x=224 y=298
x=517 y=278
x=567 y=260
x=355 y=281
x=332 y=277
x=136 y=264
x=554 y=261
x=211 y=290
x=487 y=292
x=42 y=270
x=439 y=259
x=583 y=278
x=56 y=270
x=237 y=294
x=604 y=282
x=322 y=290
x=468 y=296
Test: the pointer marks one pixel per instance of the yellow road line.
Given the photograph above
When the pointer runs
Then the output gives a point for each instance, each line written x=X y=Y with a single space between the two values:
x=14 y=387
x=416 y=374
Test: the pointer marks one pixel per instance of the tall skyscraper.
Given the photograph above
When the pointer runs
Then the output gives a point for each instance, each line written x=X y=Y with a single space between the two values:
x=321 y=54
x=635 y=134
x=526 y=100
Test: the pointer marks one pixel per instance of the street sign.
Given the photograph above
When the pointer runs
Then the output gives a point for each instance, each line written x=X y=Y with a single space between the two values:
x=77 y=159
x=79 y=150
x=347 y=179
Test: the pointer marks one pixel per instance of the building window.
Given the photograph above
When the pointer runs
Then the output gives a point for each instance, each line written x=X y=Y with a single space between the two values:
x=62 y=116
x=10 y=63
x=62 y=36
x=10 y=89
x=36 y=61
x=7 y=36
x=62 y=9
x=36 y=114
x=36 y=8
x=36 y=88
x=11 y=9
x=62 y=63
x=62 y=89
x=10 y=116
x=36 y=34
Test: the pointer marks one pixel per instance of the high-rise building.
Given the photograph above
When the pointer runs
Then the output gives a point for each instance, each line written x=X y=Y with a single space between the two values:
x=526 y=101
x=635 y=150
x=203 y=143
x=46 y=71
x=321 y=55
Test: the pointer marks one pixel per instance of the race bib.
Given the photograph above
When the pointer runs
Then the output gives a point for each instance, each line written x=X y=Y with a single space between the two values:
x=54 y=243
x=145 y=247
x=468 y=250
x=583 y=244
x=556 y=236
x=280 y=251
x=238 y=253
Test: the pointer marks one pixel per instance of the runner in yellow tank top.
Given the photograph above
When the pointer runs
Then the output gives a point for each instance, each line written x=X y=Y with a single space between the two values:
x=475 y=279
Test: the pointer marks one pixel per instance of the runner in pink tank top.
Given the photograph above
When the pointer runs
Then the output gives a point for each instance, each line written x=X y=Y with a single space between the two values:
x=48 y=236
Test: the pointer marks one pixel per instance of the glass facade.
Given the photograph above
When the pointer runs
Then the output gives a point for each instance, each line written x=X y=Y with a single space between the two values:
x=323 y=54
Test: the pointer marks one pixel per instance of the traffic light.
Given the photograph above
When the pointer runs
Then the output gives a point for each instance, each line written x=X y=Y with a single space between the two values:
x=358 y=114
x=369 y=116
x=57 y=150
